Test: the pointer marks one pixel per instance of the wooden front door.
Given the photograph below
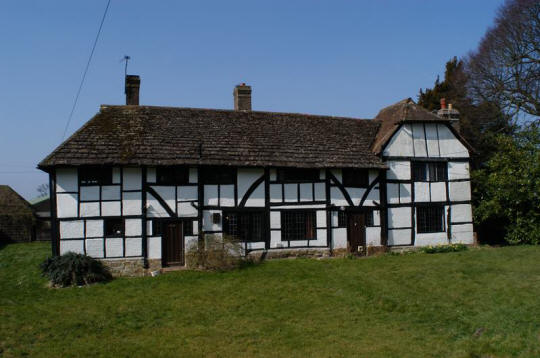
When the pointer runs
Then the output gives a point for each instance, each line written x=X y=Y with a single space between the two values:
x=356 y=233
x=172 y=244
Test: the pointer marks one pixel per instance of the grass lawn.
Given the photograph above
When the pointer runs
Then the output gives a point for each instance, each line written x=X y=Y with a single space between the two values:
x=477 y=303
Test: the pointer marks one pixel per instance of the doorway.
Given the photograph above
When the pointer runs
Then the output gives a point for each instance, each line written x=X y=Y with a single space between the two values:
x=172 y=244
x=356 y=233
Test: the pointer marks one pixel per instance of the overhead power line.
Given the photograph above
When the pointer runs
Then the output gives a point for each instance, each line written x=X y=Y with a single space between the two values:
x=86 y=69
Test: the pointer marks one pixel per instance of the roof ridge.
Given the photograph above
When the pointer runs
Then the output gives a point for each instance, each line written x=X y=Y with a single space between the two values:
x=120 y=106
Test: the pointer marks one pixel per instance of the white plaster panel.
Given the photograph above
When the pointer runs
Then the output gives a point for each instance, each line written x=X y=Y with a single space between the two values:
x=434 y=238
x=275 y=193
x=419 y=140
x=110 y=208
x=399 y=237
x=94 y=247
x=73 y=229
x=66 y=180
x=463 y=234
x=461 y=213
x=373 y=236
x=133 y=227
x=299 y=243
x=154 y=208
x=257 y=197
x=245 y=178
x=320 y=191
x=291 y=192
x=133 y=246
x=76 y=246
x=337 y=197
x=94 y=228
x=167 y=193
x=432 y=140
x=275 y=239
x=449 y=145
x=373 y=195
x=89 y=209
x=458 y=170
x=421 y=191
x=306 y=192
x=273 y=174
x=334 y=218
x=151 y=175
x=154 y=247
x=401 y=143
x=186 y=209
x=193 y=175
x=438 y=191
x=275 y=220
x=211 y=195
x=149 y=228
x=226 y=195
x=399 y=217
x=322 y=174
x=321 y=218
x=255 y=245
x=132 y=179
x=299 y=206
x=460 y=190
x=399 y=170
x=116 y=176
x=186 y=193
x=110 y=192
x=376 y=217
x=339 y=238
x=90 y=193
x=195 y=227
x=337 y=173
x=66 y=205
x=131 y=203
x=404 y=193
x=356 y=194
x=208 y=225
x=372 y=175
x=392 y=193
x=114 y=247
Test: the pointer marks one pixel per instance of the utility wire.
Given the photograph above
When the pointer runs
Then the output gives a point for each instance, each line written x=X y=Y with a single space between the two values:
x=86 y=69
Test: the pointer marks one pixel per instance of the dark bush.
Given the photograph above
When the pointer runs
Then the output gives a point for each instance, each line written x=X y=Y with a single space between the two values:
x=443 y=248
x=74 y=269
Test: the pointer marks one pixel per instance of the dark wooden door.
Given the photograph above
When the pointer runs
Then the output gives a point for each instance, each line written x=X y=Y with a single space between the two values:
x=356 y=233
x=172 y=244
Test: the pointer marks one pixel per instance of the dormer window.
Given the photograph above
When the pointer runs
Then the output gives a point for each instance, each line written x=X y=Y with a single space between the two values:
x=172 y=175
x=297 y=175
x=357 y=178
x=95 y=175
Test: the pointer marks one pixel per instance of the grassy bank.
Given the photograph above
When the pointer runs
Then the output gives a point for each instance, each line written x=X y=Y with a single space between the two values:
x=477 y=303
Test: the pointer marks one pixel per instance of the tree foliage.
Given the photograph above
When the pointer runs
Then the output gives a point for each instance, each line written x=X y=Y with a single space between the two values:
x=509 y=186
x=505 y=69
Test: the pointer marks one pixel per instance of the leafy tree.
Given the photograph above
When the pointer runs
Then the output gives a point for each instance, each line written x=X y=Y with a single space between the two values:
x=505 y=69
x=43 y=190
x=509 y=187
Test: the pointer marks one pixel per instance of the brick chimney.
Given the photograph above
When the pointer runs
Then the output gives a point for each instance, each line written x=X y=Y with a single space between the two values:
x=242 y=97
x=449 y=113
x=133 y=83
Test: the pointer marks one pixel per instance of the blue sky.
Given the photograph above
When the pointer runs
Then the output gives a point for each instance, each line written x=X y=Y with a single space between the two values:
x=348 y=58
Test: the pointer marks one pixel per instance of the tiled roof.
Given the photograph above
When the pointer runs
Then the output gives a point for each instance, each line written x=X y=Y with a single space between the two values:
x=12 y=203
x=146 y=135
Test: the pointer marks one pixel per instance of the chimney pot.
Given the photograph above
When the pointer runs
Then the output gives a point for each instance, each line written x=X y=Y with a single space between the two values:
x=133 y=84
x=242 y=97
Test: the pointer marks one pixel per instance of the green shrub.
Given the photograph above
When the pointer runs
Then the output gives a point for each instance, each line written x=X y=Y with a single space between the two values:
x=74 y=269
x=213 y=252
x=443 y=248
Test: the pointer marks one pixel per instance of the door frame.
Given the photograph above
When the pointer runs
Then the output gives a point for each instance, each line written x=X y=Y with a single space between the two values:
x=356 y=211
x=163 y=222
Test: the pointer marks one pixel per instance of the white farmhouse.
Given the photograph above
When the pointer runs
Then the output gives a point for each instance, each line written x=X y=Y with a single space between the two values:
x=136 y=184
